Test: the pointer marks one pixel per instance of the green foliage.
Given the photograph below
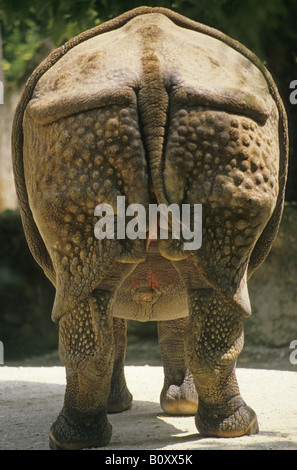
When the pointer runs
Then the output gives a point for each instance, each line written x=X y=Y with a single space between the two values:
x=30 y=29
x=26 y=24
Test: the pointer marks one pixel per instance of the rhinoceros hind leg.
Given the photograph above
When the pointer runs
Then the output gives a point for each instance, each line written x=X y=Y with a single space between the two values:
x=178 y=396
x=120 y=398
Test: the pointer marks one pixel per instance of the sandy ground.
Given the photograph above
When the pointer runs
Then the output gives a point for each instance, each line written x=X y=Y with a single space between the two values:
x=31 y=397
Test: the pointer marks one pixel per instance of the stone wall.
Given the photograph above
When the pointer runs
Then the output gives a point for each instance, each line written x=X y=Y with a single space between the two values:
x=26 y=296
x=273 y=289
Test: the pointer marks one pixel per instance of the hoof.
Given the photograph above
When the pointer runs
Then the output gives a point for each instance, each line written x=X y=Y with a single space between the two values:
x=178 y=401
x=118 y=406
x=64 y=435
x=213 y=423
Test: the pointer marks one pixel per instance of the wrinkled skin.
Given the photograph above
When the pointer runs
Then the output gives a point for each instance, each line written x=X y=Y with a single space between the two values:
x=159 y=109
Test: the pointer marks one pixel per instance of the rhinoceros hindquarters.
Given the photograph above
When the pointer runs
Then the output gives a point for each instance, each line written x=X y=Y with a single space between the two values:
x=228 y=163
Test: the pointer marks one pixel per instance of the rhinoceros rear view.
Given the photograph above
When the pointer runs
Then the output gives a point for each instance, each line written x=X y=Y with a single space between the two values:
x=159 y=111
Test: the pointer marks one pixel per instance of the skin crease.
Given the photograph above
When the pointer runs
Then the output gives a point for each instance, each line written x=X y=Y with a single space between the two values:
x=122 y=110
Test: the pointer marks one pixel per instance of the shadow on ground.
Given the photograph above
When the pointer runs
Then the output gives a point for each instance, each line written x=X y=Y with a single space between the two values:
x=31 y=398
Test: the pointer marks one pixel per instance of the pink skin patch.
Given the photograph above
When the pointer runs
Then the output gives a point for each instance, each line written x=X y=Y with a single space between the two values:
x=152 y=281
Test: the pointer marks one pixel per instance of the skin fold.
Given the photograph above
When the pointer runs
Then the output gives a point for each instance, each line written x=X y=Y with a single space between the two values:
x=161 y=110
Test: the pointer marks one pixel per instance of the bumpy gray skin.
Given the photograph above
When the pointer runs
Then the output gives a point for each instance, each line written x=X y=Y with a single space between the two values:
x=160 y=109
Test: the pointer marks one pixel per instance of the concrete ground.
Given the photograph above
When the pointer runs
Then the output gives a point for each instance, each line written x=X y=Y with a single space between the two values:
x=31 y=398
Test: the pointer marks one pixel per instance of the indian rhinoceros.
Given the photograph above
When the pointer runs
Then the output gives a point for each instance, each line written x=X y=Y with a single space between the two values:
x=162 y=110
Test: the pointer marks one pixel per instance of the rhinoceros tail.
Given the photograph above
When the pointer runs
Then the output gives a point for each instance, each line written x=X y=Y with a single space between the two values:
x=153 y=103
